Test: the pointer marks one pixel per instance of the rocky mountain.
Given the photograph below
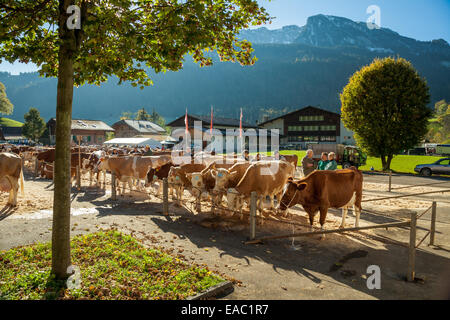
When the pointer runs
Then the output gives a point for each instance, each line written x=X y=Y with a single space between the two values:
x=297 y=66
x=331 y=31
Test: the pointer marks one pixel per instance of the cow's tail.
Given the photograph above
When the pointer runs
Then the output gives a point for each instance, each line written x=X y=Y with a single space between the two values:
x=21 y=179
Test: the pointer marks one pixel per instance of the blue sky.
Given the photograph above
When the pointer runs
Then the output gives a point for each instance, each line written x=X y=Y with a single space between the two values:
x=419 y=19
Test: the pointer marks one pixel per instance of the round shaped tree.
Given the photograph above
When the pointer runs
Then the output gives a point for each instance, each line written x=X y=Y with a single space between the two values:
x=385 y=104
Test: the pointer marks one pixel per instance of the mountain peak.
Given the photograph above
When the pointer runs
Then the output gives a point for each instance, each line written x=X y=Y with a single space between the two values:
x=331 y=31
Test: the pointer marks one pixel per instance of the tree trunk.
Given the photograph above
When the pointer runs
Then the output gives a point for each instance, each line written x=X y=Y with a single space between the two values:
x=61 y=199
x=383 y=163
x=386 y=162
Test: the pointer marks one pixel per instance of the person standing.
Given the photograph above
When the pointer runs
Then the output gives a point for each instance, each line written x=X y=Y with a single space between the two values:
x=332 y=164
x=148 y=151
x=323 y=161
x=308 y=163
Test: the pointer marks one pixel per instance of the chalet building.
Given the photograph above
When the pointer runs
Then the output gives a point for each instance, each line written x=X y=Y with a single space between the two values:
x=92 y=132
x=12 y=135
x=310 y=125
x=138 y=128
x=221 y=124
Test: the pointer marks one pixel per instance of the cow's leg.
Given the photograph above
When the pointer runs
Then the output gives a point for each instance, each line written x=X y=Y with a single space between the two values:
x=16 y=191
x=344 y=214
x=357 y=213
x=178 y=194
x=213 y=203
x=311 y=220
x=13 y=192
x=323 y=216
x=90 y=177
x=130 y=183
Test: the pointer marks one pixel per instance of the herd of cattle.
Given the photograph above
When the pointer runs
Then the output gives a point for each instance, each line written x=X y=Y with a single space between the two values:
x=215 y=178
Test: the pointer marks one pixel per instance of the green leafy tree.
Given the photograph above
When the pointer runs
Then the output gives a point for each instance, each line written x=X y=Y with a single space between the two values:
x=444 y=121
x=440 y=107
x=127 y=115
x=142 y=115
x=114 y=37
x=6 y=107
x=385 y=104
x=34 y=125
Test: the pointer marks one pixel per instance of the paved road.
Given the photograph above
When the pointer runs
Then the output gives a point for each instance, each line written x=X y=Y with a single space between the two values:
x=409 y=179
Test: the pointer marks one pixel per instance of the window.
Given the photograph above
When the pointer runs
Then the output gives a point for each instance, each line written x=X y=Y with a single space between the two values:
x=311 y=128
x=311 y=118
x=294 y=128
x=328 y=128
x=328 y=138
x=444 y=162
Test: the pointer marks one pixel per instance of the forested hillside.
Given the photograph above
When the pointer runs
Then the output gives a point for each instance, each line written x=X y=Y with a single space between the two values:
x=287 y=76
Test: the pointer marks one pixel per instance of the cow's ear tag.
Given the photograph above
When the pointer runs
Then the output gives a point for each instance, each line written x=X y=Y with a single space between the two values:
x=196 y=178
x=230 y=189
x=177 y=178
x=219 y=174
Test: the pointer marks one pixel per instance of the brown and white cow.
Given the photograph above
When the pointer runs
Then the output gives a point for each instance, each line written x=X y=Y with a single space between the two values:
x=10 y=172
x=266 y=178
x=204 y=182
x=179 y=181
x=91 y=165
x=158 y=174
x=321 y=190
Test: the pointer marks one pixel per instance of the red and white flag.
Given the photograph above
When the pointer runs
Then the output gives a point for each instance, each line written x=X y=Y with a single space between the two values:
x=211 y=126
x=186 y=122
x=240 y=125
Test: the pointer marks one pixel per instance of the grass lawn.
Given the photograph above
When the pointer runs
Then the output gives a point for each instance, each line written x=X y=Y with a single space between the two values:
x=113 y=266
x=400 y=163
x=5 y=122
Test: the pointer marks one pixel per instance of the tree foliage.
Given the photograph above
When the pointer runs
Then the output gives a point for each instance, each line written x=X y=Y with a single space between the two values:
x=385 y=104
x=142 y=115
x=34 y=125
x=121 y=36
x=6 y=107
x=114 y=37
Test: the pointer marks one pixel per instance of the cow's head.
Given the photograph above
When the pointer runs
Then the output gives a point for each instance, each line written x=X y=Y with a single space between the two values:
x=173 y=177
x=222 y=177
x=85 y=164
x=292 y=194
x=196 y=179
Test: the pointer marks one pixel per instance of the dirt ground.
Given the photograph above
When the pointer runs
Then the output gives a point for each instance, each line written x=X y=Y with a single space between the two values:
x=300 y=268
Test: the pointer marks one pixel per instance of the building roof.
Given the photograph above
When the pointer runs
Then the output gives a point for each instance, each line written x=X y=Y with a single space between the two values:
x=229 y=122
x=84 y=124
x=289 y=113
x=12 y=133
x=157 y=137
x=137 y=142
x=143 y=126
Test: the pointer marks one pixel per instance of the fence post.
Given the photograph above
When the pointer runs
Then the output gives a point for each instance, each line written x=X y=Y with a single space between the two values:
x=53 y=168
x=165 y=197
x=113 y=186
x=36 y=167
x=433 y=223
x=412 y=248
x=78 y=177
x=253 y=198
x=390 y=180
